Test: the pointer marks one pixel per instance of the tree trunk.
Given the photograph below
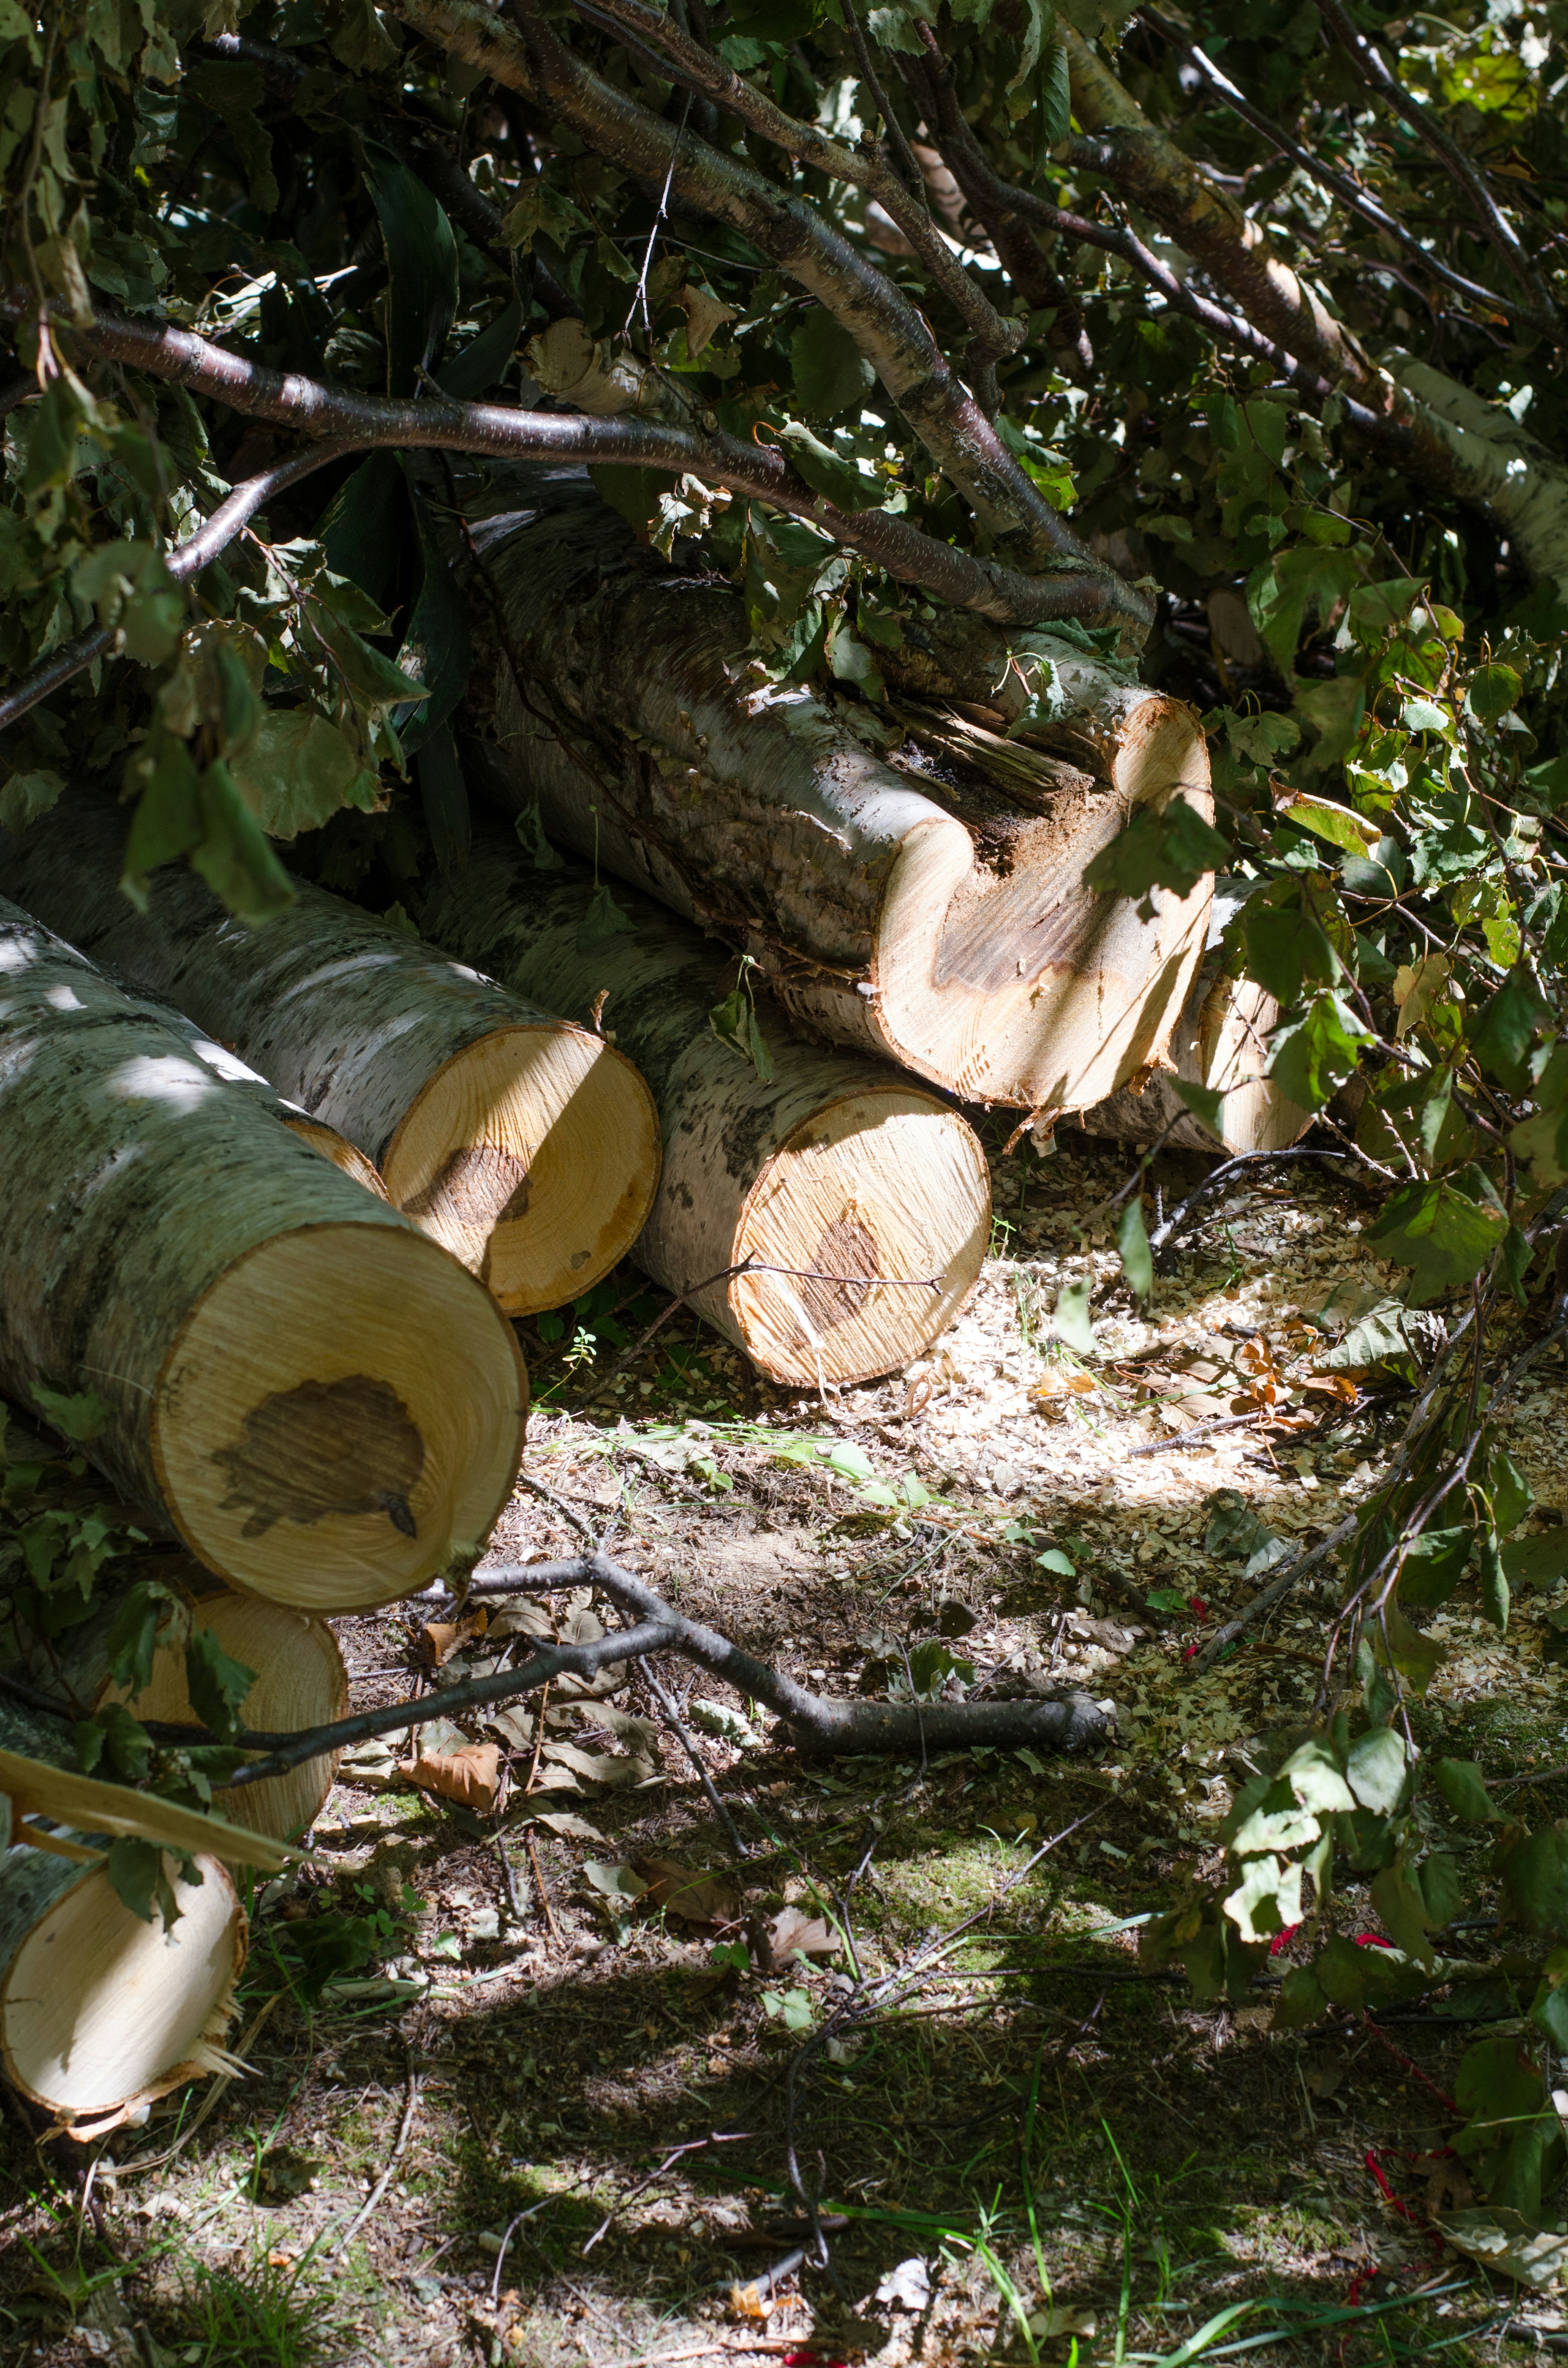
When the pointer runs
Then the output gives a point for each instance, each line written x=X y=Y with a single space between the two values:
x=911 y=882
x=101 y=2014
x=328 y=1407
x=525 y=1146
x=834 y=1167
x=300 y=1683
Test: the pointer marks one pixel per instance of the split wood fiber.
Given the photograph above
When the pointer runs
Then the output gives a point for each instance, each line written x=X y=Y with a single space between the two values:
x=327 y=1406
x=301 y=1682
x=1220 y=1041
x=524 y=1144
x=910 y=876
x=836 y=1166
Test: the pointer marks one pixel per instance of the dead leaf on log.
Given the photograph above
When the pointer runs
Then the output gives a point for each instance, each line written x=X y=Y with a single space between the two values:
x=442 y=1637
x=791 y=1934
x=691 y=1897
x=470 y=1775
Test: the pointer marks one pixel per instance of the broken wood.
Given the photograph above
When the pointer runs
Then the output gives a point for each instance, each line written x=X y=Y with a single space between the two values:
x=851 y=1190
x=908 y=874
x=526 y=1145
x=100 y=2013
x=325 y=1405
x=1222 y=1042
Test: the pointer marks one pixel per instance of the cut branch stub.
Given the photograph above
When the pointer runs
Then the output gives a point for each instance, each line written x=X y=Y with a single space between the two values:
x=101 y=2014
x=833 y=1167
x=523 y=1144
x=328 y=1407
x=911 y=882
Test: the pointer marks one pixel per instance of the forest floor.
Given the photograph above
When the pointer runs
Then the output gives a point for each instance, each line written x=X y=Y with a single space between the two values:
x=579 y=2120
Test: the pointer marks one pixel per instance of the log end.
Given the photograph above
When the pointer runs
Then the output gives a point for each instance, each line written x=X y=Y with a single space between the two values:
x=100 y=2013
x=879 y=1195
x=343 y=1154
x=533 y=1157
x=1222 y=1042
x=340 y=1418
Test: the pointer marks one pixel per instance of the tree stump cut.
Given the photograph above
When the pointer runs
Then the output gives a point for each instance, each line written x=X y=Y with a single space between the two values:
x=910 y=876
x=861 y=1188
x=328 y=1407
x=524 y=1144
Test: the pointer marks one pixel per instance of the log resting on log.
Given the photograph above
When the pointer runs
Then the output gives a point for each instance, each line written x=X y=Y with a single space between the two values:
x=300 y=1682
x=522 y=1144
x=1220 y=1041
x=910 y=878
x=100 y=2013
x=836 y=1168
x=327 y=1406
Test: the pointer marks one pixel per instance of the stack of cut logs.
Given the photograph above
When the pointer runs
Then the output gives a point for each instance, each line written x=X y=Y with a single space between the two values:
x=271 y=1195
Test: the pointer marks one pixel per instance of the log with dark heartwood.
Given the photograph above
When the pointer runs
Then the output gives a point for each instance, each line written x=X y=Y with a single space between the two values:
x=325 y=1405
x=852 y=1187
x=100 y=2011
x=524 y=1144
x=909 y=873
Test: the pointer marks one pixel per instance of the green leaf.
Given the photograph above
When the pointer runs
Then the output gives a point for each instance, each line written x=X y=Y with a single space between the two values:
x=529 y=828
x=931 y=1663
x=1493 y=1579
x=422 y=268
x=1418 y=1657
x=437 y=651
x=168 y=820
x=1535 y=1880
x=1339 y=825
x=1132 y=1242
x=1311 y=1061
x=1377 y=1768
x=1071 y=1320
x=80 y=1414
x=603 y=919
x=1493 y=690
x=828 y=472
x=132 y=1640
x=129 y=585
x=1053 y=107
x=1434 y=1564
x=1540 y=1561
x=1283 y=589
x=443 y=793
x=25 y=796
x=1288 y=948
x=1173 y=850
x=1207 y=1103
x=1502 y=1038
x=136 y=1869
x=300 y=771
x=1054 y=1559
x=1300 y=2000
x=735 y=1023
x=1440 y=1233
x=831 y=373
x=473 y=370
x=366 y=525
x=233 y=855
x=216 y=1683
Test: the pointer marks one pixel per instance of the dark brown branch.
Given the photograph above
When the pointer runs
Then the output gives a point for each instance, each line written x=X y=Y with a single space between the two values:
x=184 y=562
x=887 y=327
x=815 y=1723
x=1471 y=183
x=1361 y=200
x=364 y=421
x=700 y=71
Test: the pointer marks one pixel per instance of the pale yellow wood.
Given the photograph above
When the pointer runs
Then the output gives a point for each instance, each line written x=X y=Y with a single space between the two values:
x=300 y=1683
x=340 y=1151
x=100 y=2014
x=36 y=1788
x=340 y=1419
x=876 y=1183
x=1220 y=1041
x=533 y=1156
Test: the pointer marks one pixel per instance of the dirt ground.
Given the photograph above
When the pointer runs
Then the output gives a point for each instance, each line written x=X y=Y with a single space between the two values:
x=563 y=2102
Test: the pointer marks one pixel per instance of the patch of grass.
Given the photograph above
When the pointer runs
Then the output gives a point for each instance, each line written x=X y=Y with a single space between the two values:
x=259 y=2316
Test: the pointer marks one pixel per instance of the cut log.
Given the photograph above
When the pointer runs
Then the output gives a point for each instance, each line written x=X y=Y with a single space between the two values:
x=100 y=2013
x=326 y=1406
x=910 y=877
x=525 y=1146
x=301 y=1682
x=1220 y=1041
x=864 y=1186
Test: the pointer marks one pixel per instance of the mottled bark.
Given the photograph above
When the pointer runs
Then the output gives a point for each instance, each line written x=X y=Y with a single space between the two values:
x=832 y=1166
x=522 y=1144
x=328 y=1408
x=912 y=884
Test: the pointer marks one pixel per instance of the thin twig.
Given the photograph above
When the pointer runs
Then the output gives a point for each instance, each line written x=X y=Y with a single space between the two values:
x=385 y=2180
x=539 y=1884
x=666 y=1703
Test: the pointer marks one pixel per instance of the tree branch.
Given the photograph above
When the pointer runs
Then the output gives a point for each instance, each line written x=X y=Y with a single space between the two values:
x=815 y=1723
x=992 y=336
x=364 y=421
x=1472 y=184
x=887 y=328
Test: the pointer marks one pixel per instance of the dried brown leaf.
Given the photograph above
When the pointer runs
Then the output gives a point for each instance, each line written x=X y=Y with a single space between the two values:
x=471 y=1776
x=789 y=1933
x=687 y=1895
x=442 y=1637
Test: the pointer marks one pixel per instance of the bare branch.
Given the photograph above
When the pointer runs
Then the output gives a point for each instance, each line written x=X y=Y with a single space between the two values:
x=1069 y=1722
